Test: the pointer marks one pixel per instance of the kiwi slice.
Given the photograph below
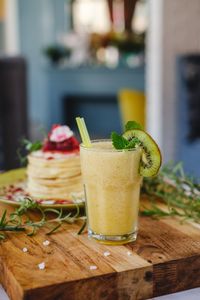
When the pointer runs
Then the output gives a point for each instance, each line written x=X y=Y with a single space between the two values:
x=151 y=156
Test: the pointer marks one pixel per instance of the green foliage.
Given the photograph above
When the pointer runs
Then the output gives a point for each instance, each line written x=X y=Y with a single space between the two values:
x=20 y=220
x=56 y=53
x=134 y=143
x=29 y=147
x=119 y=142
x=132 y=125
x=179 y=192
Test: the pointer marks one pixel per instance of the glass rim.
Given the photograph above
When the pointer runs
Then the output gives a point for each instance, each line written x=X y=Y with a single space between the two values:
x=106 y=149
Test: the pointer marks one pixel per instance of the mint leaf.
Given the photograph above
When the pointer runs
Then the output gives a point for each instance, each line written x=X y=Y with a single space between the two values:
x=118 y=141
x=133 y=143
x=132 y=125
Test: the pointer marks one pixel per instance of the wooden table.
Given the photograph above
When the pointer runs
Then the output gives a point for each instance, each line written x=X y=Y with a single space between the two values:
x=193 y=294
x=164 y=259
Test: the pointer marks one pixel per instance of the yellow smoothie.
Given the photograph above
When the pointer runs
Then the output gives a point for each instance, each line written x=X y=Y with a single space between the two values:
x=112 y=186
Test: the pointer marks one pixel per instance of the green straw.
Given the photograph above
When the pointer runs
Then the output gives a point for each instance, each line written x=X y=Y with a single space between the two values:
x=83 y=132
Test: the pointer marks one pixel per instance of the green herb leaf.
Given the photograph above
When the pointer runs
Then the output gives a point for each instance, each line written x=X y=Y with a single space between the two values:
x=132 y=125
x=82 y=227
x=54 y=229
x=30 y=147
x=179 y=193
x=118 y=141
x=15 y=222
x=3 y=218
x=134 y=143
x=2 y=236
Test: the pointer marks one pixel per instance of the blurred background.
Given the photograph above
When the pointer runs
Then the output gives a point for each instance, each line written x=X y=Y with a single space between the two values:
x=106 y=60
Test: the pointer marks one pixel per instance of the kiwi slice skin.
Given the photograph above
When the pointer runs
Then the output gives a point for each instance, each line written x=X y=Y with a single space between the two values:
x=151 y=157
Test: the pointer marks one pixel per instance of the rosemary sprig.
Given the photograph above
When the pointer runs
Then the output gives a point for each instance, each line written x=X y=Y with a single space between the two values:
x=179 y=192
x=82 y=227
x=20 y=220
x=5 y=225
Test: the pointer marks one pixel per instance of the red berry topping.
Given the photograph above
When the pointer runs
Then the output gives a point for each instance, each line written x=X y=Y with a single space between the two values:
x=68 y=145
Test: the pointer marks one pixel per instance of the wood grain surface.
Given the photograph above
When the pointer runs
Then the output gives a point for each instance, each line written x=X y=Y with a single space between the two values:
x=164 y=259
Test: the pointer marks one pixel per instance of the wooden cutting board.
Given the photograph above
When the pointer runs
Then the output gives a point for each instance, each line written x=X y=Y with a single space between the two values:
x=164 y=259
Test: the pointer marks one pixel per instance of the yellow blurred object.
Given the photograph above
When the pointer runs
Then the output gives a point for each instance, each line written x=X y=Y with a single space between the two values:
x=132 y=106
x=2 y=10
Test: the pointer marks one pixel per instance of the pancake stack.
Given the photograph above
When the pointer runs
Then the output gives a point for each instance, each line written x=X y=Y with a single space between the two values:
x=54 y=171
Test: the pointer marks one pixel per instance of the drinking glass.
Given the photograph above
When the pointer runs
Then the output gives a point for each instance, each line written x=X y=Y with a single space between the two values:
x=112 y=189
